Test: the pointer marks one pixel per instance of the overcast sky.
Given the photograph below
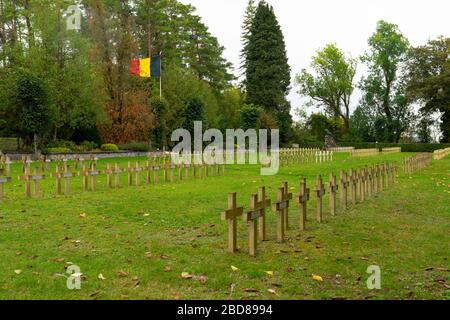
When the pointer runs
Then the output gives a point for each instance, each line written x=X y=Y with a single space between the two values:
x=311 y=24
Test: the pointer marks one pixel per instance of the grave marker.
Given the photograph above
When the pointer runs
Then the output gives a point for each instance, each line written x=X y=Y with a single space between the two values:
x=27 y=178
x=58 y=176
x=287 y=196
x=353 y=183
x=302 y=200
x=280 y=207
x=333 y=188
x=230 y=215
x=319 y=191
x=251 y=218
x=93 y=174
x=67 y=176
x=344 y=186
x=138 y=171
x=263 y=203
x=117 y=172
x=3 y=180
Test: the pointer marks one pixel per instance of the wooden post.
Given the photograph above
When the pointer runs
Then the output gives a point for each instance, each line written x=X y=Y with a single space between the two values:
x=280 y=207
x=344 y=186
x=230 y=215
x=94 y=173
x=333 y=187
x=286 y=196
x=130 y=174
x=109 y=172
x=67 y=175
x=58 y=175
x=117 y=172
x=156 y=169
x=263 y=203
x=138 y=171
x=319 y=191
x=251 y=218
x=391 y=175
x=395 y=172
x=370 y=181
x=382 y=172
x=36 y=178
x=3 y=180
x=172 y=171
x=27 y=178
x=302 y=200
x=362 y=183
x=353 y=186
x=180 y=171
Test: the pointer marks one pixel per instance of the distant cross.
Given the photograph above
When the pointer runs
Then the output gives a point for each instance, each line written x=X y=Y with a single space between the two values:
x=85 y=174
x=231 y=215
x=362 y=182
x=180 y=170
x=67 y=176
x=302 y=200
x=58 y=176
x=148 y=170
x=138 y=171
x=395 y=172
x=377 y=175
x=370 y=181
x=27 y=178
x=8 y=164
x=333 y=189
x=353 y=184
x=172 y=171
x=130 y=171
x=251 y=218
x=319 y=191
x=156 y=169
x=94 y=173
x=344 y=187
x=117 y=172
x=36 y=178
x=109 y=172
x=263 y=203
x=3 y=180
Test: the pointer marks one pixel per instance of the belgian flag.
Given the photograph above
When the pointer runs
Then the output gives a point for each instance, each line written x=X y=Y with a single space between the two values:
x=146 y=68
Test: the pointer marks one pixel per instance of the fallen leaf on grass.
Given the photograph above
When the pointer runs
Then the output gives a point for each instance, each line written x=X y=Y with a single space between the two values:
x=83 y=215
x=270 y=273
x=317 y=278
x=18 y=271
x=122 y=274
x=271 y=291
x=101 y=277
x=148 y=255
x=186 y=275
x=251 y=290
x=167 y=268
x=234 y=268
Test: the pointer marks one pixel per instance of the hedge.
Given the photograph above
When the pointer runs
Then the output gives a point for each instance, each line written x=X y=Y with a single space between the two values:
x=9 y=144
x=406 y=147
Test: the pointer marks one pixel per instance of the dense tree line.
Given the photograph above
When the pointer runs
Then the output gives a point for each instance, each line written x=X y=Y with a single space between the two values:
x=58 y=84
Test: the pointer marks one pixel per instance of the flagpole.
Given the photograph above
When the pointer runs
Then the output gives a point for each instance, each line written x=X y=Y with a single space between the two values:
x=160 y=75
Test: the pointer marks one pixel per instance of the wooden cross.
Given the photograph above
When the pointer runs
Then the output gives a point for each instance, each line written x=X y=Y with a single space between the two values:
x=117 y=172
x=36 y=178
x=200 y=169
x=8 y=164
x=281 y=206
x=231 y=215
x=156 y=169
x=287 y=196
x=263 y=203
x=302 y=200
x=395 y=172
x=67 y=176
x=187 y=166
x=148 y=170
x=130 y=171
x=85 y=174
x=138 y=171
x=94 y=173
x=319 y=191
x=353 y=183
x=362 y=182
x=383 y=172
x=27 y=178
x=391 y=173
x=3 y=180
x=180 y=171
x=369 y=171
x=109 y=172
x=333 y=188
x=172 y=171
x=165 y=167
x=58 y=176
x=251 y=218
x=344 y=186
x=377 y=178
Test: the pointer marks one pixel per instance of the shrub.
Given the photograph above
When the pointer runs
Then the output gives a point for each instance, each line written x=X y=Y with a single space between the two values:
x=58 y=150
x=61 y=144
x=109 y=147
x=88 y=146
x=406 y=147
x=136 y=146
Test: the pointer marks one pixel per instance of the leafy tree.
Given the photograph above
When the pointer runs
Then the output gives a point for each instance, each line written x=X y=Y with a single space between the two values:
x=319 y=125
x=159 y=107
x=33 y=109
x=428 y=74
x=251 y=116
x=424 y=129
x=246 y=32
x=383 y=88
x=194 y=111
x=331 y=85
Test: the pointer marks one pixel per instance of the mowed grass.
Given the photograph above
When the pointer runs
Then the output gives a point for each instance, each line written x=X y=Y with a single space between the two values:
x=141 y=239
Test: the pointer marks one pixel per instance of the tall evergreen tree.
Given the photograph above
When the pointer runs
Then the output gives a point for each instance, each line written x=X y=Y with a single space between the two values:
x=246 y=32
x=267 y=70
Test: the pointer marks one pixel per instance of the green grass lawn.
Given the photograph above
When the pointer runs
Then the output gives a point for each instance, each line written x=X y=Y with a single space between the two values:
x=141 y=239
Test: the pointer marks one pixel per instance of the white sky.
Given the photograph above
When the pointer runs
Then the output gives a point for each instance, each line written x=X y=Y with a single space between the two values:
x=311 y=24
